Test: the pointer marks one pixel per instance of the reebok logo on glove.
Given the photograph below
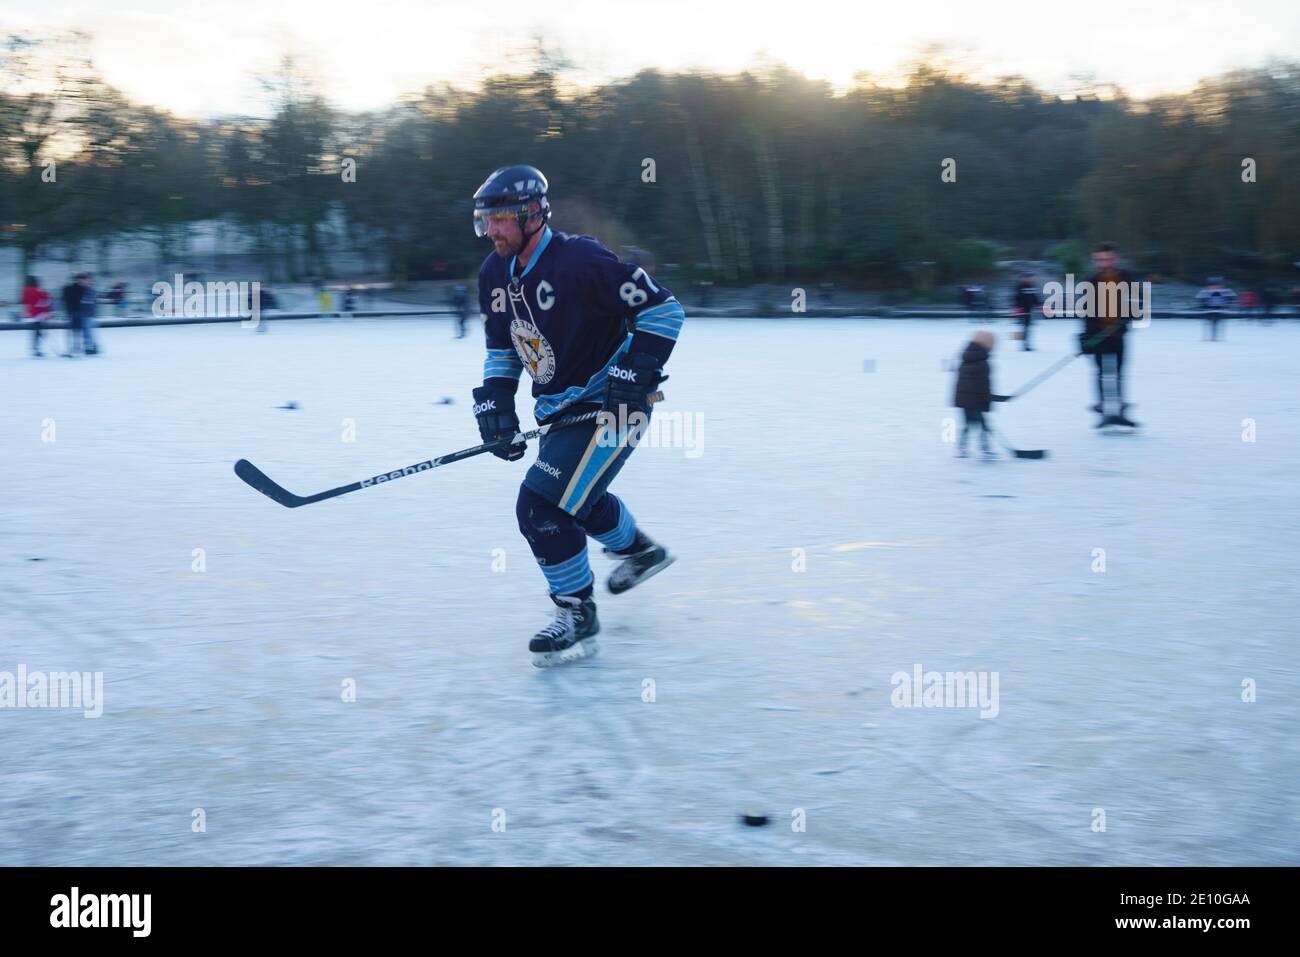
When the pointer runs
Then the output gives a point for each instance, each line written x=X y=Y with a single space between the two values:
x=625 y=374
x=487 y=406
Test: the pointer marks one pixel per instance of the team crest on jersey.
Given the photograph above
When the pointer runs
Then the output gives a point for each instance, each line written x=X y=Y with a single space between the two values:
x=531 y=345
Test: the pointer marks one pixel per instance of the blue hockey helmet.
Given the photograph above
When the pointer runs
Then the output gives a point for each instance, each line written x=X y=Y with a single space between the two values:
x=508 y=192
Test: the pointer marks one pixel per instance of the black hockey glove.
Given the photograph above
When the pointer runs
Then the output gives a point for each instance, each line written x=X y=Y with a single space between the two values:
x=631 y=380
x=495 y=411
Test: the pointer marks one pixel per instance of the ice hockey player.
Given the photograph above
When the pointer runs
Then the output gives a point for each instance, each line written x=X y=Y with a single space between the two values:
x=974 y=392
x=1103 y=334
x=594 y=333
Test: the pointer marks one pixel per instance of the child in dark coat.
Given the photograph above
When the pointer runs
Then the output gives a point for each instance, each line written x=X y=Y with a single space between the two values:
x=974 y=394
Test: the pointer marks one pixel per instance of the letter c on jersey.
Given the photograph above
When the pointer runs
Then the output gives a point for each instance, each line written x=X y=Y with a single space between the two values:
x=545 y=295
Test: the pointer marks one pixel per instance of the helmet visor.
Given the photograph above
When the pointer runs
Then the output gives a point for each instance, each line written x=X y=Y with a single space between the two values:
x=483 y=216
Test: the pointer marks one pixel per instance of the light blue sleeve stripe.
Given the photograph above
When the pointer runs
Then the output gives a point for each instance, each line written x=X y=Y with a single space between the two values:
x=668 y=307
x=502 y=364
x=664 y=320
x=659 y=325
x=665 y=333
x=677 y=317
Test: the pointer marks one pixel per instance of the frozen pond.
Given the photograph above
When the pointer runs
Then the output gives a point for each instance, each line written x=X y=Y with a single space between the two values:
x=827 y=540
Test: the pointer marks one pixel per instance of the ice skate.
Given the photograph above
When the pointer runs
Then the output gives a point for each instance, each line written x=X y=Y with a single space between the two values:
x=640 y=560
x=570 y=635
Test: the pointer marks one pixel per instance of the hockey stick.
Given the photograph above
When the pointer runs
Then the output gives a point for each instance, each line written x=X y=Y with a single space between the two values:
x=1046 y=374
x=1057 y=366
x=259 y=480
x=1020 y=453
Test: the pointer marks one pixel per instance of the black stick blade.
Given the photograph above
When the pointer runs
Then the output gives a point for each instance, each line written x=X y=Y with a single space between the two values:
x=258 y=479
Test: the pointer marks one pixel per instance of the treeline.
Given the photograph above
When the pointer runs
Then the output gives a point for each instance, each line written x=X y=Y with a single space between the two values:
x=762 y=177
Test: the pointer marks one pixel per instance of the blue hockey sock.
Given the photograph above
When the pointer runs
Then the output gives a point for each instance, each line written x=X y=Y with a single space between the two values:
x=611 y=523
x=558 y=543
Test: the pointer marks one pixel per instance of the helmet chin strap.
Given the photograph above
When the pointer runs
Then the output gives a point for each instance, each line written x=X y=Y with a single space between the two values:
x=523 y=227
x=528 y=237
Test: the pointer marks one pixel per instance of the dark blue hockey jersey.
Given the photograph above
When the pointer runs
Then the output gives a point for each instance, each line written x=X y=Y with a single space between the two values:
x=575 y=309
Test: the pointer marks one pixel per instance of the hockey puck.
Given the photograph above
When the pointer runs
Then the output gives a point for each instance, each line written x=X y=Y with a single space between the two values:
x=445 y=400
x=290 y=406
x=753 y=819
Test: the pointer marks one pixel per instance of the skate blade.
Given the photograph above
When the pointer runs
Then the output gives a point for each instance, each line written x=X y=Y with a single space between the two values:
x=587 y=648
x=648 y=573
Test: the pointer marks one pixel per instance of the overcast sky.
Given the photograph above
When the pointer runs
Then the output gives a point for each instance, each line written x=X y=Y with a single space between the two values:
x=200 y=58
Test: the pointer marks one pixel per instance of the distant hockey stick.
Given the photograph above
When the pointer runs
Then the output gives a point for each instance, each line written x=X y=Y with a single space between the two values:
x=259 y=480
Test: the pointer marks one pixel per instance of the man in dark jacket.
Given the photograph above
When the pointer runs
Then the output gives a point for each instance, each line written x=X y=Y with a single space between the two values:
x=1267 y=301
x=1105 y=325
x=89 y=311
x=974 y=393
x=1024 y=299
x=973 y=299
x=76 y=318
x=460 y=304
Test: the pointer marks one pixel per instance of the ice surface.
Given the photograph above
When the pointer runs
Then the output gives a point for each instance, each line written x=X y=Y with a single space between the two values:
x=1119 y=690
